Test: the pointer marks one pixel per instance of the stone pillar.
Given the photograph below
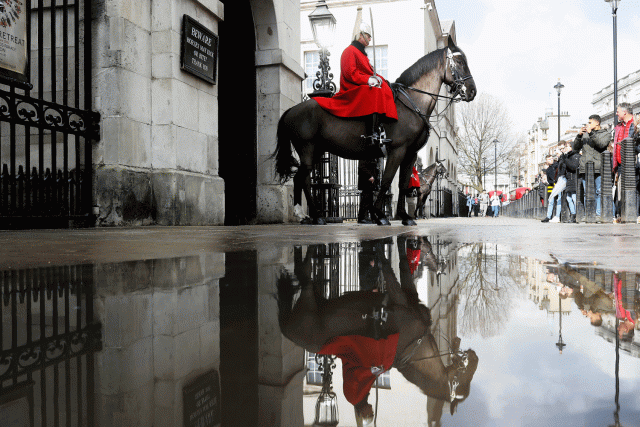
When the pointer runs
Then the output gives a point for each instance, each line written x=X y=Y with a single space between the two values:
x=161 y=326
x=157 y=160
x=281 y=368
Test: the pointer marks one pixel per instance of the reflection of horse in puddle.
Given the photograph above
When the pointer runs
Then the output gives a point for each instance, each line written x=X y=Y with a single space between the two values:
x=381 y=319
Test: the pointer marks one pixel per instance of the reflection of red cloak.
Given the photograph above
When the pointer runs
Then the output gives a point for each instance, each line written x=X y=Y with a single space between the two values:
x=356 y=98
x=413 y=257
x=359 y=354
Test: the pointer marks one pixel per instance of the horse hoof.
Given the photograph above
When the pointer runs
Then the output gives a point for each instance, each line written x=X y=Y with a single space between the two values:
x=319 y=221
x=306 y=221
x=383 y=221
x=409 y=222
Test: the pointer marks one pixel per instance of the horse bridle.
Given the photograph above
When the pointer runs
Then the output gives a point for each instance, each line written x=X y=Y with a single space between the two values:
x=456 y=88
x=462 y=363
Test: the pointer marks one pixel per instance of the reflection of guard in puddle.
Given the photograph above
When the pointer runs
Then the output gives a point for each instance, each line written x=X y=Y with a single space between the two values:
x=371 y=332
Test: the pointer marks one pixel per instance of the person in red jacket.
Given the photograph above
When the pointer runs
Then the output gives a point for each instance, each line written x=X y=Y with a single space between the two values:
x=362 y=94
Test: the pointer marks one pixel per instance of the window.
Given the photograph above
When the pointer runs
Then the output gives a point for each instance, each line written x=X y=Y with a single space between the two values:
x=381 y=59
x=311 y=63
x=314 y=375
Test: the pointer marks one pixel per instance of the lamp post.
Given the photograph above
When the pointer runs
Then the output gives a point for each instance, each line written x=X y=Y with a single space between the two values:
x=327 y=404
x=484 y=173
x=558 y=87
x=323 y=25
x=325 y=172
x=560 y=344
x=495 y=155
x=614 y=13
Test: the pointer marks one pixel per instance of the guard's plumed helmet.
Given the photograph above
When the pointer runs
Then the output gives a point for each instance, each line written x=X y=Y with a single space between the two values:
x=364 y=28
x=360 y=27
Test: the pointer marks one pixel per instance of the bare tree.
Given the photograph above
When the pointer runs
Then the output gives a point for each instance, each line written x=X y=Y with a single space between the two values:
x=480 y=123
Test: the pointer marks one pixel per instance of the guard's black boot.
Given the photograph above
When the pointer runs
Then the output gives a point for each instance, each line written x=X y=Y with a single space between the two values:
x=573 y=219
x=378 y=144
x=545 y=220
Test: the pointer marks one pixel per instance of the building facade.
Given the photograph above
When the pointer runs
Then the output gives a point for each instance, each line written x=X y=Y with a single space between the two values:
x=628 y=91
x=168 y=146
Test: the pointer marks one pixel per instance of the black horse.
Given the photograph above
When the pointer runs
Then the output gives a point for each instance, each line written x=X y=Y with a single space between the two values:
x=313 y=131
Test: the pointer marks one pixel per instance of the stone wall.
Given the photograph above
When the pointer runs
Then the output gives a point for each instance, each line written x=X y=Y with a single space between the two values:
x=157 y=160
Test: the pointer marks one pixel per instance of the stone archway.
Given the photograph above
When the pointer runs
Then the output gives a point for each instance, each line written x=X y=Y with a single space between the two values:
x=278 y=81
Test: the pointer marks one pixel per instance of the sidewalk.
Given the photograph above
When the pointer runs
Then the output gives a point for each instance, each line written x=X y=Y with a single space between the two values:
x=612 y=246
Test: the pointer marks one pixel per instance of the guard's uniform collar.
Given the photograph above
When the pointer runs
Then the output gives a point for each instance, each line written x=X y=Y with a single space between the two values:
x=359 y=46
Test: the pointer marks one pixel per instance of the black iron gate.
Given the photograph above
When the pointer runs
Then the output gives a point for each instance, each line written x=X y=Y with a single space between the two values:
x=47 y=127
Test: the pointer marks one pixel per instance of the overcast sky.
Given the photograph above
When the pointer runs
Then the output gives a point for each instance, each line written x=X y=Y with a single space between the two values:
x=517 y=50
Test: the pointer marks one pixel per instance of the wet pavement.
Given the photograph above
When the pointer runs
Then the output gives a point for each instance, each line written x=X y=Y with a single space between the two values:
x=455 y=322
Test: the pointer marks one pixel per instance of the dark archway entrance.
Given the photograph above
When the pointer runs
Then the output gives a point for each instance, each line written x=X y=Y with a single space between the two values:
x=237 y=112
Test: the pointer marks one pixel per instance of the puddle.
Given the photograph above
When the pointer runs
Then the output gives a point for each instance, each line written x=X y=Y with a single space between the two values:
x=425 y=331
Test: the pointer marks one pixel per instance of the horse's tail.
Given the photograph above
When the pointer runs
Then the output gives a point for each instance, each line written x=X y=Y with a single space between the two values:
x=286 y=163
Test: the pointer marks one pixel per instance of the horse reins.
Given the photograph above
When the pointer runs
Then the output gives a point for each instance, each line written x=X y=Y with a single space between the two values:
x=455 y=88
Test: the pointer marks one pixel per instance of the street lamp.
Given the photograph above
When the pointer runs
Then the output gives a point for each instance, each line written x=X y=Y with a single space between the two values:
x=495 y=155
x=558 y=88
x=327 y=403
x=323 y=25
x=614 y=13
x=484 y=172
x=560 y=344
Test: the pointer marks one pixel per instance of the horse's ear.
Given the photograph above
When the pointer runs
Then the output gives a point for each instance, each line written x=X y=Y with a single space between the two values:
x=450 y=42
x=453 y=406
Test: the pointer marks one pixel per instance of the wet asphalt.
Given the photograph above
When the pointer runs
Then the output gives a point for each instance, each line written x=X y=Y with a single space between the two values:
x=610 y=246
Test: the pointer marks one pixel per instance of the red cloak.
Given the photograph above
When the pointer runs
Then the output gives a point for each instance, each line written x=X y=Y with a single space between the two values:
x=355 y=97
x=359 y=354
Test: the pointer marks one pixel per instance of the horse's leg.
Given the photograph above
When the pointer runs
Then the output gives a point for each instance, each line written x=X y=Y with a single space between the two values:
x=302 y=181
x=393 y=161
x=403 y=182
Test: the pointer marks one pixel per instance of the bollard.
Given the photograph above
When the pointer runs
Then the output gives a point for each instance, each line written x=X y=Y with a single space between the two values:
x=629 y=213
x=580 y=217
x=606 y=196
x=590 y=195
x=565 y=215
x=541 y=211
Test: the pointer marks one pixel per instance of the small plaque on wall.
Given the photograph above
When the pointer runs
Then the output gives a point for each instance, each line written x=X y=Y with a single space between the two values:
x=199 y=53
x=201 y=401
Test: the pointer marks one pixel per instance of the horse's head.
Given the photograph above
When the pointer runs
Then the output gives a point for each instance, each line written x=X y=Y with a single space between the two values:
x=461 y=373
x=440 y=169
x=458 y=76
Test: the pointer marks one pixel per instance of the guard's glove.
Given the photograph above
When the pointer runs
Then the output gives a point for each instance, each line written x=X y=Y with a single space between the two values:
x=374 y=81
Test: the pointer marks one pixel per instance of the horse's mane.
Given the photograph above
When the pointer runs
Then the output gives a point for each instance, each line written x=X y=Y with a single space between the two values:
x=421 y=66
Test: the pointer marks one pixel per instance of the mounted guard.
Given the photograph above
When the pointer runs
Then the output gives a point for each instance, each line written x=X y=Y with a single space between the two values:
x=363 y=93
x=311 y=130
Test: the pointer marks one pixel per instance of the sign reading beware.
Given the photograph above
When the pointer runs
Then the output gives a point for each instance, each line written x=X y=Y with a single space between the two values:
x=199 y=53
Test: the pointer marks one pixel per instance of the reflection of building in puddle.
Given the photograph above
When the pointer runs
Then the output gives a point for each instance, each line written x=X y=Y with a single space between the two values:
x=589 y=292
x=124 y=343
x=49 y=336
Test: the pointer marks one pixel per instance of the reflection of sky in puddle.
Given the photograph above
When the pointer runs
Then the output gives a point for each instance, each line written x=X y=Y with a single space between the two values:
x=522 y=379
